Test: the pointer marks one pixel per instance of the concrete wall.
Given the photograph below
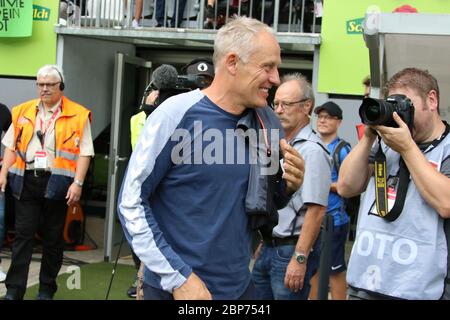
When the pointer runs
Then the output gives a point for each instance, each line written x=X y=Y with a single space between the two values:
x=88 y=66
x=16 y=91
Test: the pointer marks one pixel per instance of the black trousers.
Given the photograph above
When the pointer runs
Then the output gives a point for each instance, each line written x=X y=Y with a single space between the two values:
x=34 y=212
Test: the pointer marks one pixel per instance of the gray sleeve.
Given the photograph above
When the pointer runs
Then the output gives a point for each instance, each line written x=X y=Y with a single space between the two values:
x=445 y=167
x=317 y=179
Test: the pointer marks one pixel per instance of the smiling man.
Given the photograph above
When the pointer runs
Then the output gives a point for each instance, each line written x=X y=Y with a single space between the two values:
x=47 y=155
x=190 y=221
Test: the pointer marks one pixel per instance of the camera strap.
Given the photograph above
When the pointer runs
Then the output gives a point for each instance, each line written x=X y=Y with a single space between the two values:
x=381 y=196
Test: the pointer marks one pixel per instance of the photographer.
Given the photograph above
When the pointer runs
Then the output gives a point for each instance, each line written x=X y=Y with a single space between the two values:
x=404 y=257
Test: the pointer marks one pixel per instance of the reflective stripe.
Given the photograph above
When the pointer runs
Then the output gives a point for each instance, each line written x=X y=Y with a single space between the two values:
x=15 y=170
x=67 y=155
x=63 y=172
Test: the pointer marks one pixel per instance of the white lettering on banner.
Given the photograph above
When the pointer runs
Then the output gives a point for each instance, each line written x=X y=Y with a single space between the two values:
x=372 y=277
x=412 y=251
x=404 y=251
x=383 y=238
x=365 y=235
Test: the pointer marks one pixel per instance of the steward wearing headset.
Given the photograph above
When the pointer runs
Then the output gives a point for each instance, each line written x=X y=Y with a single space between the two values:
x=47 y=155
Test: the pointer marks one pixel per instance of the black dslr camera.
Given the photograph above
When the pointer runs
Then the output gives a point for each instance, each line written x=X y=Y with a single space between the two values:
x=379 y=112
x=192 y=82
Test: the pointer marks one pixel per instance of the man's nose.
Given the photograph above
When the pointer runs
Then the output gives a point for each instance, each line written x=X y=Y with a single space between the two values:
x=278 y=108
x=275 y=77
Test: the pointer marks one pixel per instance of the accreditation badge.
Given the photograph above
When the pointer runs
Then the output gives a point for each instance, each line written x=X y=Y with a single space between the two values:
x=40 y=160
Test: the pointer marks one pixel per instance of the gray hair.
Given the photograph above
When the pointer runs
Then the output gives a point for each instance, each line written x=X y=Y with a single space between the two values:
x=51 y=70
x=304 y=84
x=238 y=35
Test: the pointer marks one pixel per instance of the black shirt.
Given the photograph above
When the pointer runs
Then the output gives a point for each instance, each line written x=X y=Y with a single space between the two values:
x=5 y=118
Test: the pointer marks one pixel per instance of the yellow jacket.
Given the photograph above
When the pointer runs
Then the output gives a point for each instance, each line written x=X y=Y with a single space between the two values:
x=137 y=123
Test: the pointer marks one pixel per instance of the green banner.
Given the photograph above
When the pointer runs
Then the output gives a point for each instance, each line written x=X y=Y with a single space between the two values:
x=16 y=18
x=40 y=13
x=344 y=57
x=24 y=56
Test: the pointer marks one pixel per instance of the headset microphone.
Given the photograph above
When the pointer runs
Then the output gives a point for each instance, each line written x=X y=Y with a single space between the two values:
x=61 y=84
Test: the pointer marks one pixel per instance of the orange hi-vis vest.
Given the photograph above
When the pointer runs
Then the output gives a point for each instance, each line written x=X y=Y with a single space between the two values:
x=69 y=127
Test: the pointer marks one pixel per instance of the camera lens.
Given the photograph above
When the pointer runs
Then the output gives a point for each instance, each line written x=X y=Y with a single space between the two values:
x=372 y=113
x=376 y=112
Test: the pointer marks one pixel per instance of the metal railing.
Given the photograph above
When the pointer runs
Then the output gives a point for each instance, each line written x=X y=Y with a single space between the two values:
x=282 y=15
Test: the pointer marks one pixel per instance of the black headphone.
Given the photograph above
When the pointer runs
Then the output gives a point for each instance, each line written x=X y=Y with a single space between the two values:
x=61 y=84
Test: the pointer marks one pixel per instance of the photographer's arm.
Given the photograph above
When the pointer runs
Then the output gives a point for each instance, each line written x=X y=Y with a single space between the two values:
x=433 y=186
x=355 y=170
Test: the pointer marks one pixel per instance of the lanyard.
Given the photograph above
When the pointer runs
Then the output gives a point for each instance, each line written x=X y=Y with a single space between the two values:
x=266 y=139
x=41 y=133
x=49 y=123
x=435 y=142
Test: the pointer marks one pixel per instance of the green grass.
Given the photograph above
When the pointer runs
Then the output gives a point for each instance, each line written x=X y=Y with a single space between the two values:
x=94 y=282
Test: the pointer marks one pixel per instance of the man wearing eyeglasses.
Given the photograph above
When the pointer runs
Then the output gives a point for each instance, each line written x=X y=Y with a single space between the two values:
x=329 y=119
x=47 y=155
x=289 y=255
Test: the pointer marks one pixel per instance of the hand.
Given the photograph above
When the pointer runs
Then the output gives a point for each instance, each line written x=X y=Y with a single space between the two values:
x=257 y=251
x=370 y=132
x=193 y=289
x=73 y=194
x=152 y=97
x=295 y=275
x=398 y=139
x=3 y=181
x=294 y=167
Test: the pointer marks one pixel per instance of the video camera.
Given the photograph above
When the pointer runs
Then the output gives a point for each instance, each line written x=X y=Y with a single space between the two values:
x=379 y=112
x=193 y=81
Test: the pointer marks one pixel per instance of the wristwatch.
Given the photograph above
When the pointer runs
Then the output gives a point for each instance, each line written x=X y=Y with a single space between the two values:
x=78 y=183
x=300 y=257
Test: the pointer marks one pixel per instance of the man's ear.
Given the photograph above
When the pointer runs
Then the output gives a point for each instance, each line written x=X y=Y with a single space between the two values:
x=308 y=107
x=231 y=61
x=432 y=100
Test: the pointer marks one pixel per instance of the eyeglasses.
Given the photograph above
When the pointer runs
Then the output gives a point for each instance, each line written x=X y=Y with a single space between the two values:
x=326 y=117
x=48 y=85
x=286 y=105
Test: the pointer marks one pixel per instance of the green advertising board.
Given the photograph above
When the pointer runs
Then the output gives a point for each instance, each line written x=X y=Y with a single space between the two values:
x=344 y=57
x=22 y=55
x=16 y=18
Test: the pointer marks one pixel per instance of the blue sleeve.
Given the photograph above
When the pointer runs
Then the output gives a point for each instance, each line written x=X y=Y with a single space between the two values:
x=149 y=164
x=344 y=153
